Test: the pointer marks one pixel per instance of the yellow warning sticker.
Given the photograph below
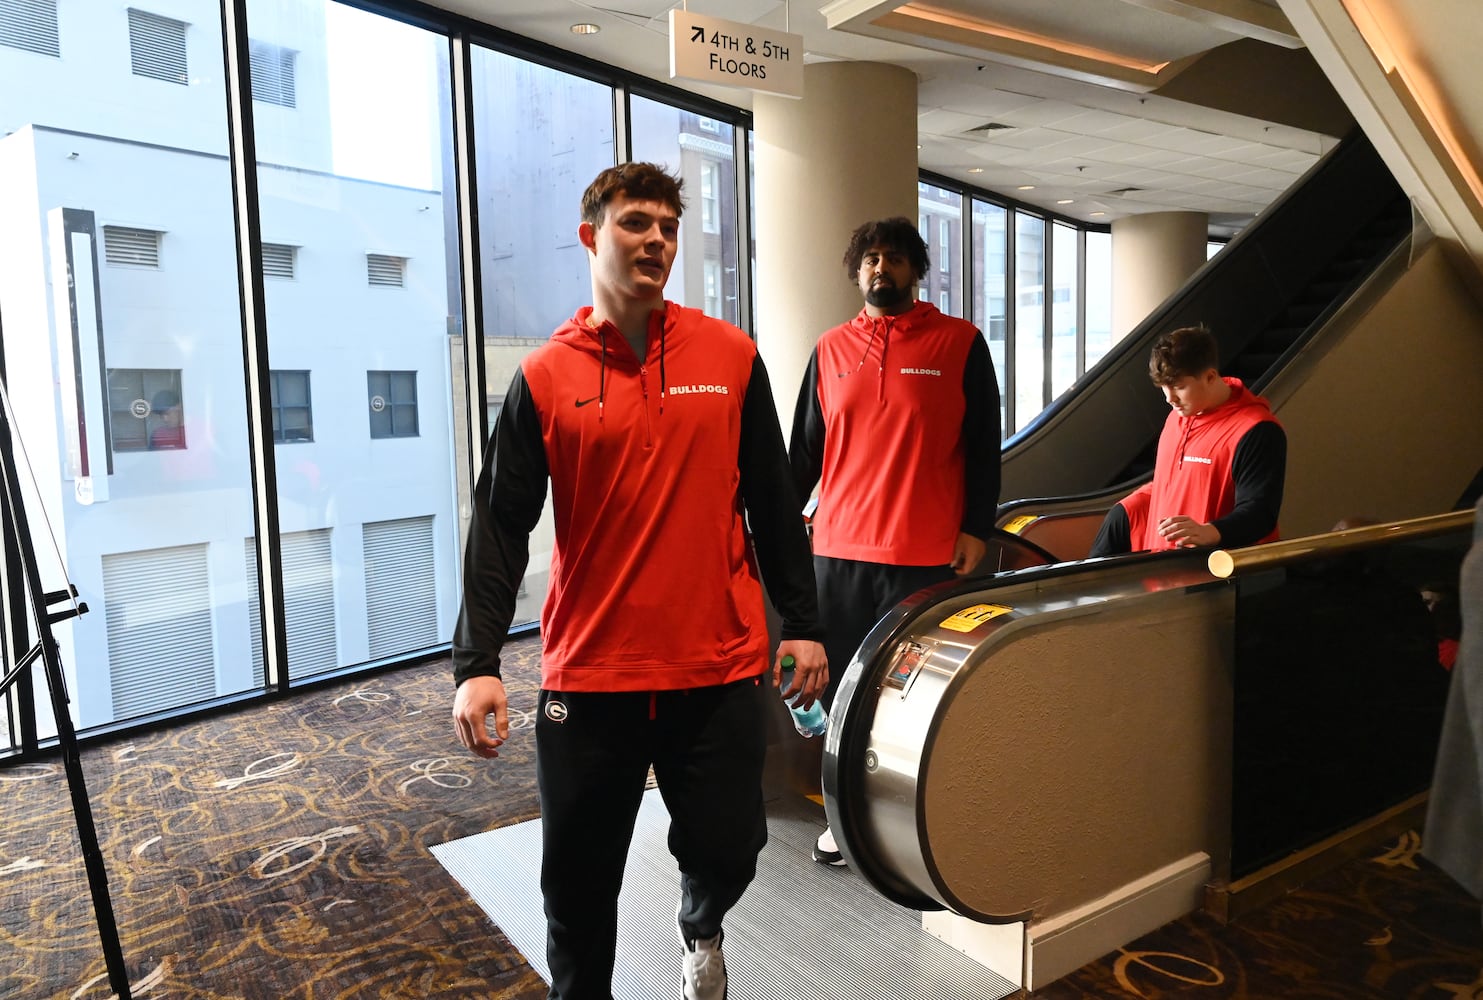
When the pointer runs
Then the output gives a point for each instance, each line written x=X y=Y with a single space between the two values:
x=1018 y=524
x=971 y=618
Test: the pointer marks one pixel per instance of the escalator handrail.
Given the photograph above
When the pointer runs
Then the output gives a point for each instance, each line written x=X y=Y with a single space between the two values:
x=1226 y=563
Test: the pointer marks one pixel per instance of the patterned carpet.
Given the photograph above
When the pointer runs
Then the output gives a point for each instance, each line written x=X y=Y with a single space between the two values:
x=284 y=852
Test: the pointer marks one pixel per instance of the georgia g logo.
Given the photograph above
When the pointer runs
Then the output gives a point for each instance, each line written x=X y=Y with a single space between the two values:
x=556 y=711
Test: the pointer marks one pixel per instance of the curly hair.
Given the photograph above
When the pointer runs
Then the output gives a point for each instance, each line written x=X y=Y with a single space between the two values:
x=644 y=181
x=899 y=234
x=1187 y=351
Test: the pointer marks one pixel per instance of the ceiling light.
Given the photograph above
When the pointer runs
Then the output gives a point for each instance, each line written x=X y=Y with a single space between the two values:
x=1098 y=214
x=975 y=170
x=585 y=28
x=1064 y=201
x=1026 y=187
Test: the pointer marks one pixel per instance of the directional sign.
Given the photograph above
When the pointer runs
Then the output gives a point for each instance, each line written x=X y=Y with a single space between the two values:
x=711 y=50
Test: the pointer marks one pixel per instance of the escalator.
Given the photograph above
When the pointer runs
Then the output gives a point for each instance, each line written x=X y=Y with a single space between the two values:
x=1266 y=296
x=1094 y=749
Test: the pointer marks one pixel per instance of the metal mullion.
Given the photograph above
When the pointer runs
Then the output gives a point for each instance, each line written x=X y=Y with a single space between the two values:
x=471 y=281
x=622 y=124
x=1047 y=307
x=741 y=157
x=965 y=254
x=1081 y=302
x=1011 y=315
x=242 y=158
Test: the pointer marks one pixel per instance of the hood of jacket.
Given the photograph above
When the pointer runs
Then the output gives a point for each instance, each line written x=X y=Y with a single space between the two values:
x=873 y=335
x=607 y=343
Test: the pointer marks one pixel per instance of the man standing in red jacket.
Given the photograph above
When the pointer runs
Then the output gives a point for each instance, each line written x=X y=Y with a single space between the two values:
x=897 y=423
x=1221 y=462
x=655 y=426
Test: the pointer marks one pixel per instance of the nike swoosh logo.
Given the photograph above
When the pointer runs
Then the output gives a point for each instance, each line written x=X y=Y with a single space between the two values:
x=584 y=402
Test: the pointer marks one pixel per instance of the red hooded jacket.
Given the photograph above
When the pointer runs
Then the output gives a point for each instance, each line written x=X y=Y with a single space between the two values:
x=654 y=582
x=898 y=422
x=1194 y=473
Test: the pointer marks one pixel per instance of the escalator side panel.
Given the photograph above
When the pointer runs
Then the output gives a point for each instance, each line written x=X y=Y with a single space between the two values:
x=1081 y=755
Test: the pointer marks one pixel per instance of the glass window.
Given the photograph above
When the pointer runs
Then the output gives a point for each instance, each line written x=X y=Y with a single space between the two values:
x=123 y=348
x=393 y=403
x=360 y=171
x=989 y=305
x=1099 y=296
x=157 y=47
x=1065 y=365
x=712 y=287
x=1029 y=317
x=293 y=412
x=940 y=214
x=535 y=128
x=30 y=25
x=710 y=197
x=663 y=133
x=144 y=409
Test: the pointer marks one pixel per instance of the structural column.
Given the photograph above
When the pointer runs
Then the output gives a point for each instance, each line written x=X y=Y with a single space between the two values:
x=1153 y=256
x=842 y=155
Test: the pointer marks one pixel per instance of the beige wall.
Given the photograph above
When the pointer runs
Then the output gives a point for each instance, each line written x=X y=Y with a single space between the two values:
x=1388 y=423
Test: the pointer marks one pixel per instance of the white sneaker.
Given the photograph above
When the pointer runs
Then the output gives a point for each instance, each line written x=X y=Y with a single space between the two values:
x=703 y=969
x=826 y=851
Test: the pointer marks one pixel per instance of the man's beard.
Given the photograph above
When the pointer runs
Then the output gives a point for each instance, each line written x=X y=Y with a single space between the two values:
x=887 y=296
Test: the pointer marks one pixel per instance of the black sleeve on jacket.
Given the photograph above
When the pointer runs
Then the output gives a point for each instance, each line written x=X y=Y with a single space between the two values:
x=507 y=503
x=806 y=446
x=1260 y=470
x=982 y=446
x=1115 y=536
x=773 y=512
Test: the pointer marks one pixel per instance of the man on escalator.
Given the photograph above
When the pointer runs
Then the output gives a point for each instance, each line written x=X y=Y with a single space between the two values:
x=1221 y=463
x=897 y=423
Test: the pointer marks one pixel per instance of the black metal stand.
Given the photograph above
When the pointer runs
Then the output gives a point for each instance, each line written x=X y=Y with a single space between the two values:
x=20 y=553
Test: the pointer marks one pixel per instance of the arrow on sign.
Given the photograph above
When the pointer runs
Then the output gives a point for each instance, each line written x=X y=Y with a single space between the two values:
x=697 y=34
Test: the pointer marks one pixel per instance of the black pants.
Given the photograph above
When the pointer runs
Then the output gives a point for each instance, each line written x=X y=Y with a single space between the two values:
x=593 y=752
x=852 y=598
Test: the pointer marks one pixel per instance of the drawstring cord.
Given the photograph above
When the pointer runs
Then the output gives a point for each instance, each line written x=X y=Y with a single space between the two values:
x=868 y=344
x=662 y=383
x=880 y=382
x=602 y=373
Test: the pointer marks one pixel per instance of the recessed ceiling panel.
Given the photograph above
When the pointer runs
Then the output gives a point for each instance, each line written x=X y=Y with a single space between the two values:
x=1111 y=26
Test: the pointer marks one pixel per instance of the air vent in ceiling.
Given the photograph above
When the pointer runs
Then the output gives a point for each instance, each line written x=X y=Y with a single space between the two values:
x=1129 y=190
x=989 y=127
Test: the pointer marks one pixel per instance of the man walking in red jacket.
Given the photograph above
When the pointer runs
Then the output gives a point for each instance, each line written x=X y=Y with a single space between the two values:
x=655 y=427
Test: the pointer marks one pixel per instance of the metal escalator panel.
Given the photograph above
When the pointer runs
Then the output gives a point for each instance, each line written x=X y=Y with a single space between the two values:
x=915 y=756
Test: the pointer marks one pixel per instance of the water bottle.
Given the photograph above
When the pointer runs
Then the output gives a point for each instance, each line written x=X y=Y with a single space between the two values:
x=809 y=721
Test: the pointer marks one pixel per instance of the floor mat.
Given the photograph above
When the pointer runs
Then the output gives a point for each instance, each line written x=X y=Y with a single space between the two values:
x=803 y=930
